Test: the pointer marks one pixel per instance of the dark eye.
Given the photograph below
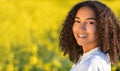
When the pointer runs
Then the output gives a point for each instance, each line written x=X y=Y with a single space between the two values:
x=92 y=22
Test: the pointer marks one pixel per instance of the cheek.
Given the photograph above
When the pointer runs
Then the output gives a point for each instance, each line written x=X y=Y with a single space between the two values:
x=74 y=28
x=92 y=31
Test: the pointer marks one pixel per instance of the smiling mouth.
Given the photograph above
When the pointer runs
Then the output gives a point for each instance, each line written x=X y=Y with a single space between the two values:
x=82 y=35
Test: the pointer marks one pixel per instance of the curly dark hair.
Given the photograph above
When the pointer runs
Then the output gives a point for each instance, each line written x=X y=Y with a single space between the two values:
x=108 y=30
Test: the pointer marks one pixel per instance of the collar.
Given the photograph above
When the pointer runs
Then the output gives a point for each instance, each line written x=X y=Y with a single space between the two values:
x=86 y=55
x=91 y=52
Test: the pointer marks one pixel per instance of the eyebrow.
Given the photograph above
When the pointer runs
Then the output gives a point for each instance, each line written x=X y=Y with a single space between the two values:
x=87 y=18
x=91 y=18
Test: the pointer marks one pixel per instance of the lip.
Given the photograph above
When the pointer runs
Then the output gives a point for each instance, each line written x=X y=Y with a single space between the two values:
x=82 y=35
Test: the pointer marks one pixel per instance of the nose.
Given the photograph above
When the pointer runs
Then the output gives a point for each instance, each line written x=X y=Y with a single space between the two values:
x=83 y=26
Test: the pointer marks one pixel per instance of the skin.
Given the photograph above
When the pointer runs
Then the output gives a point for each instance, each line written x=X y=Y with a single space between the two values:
x=84 y=29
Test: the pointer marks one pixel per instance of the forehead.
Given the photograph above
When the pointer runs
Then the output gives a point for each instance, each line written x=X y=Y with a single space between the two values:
x=86 y=11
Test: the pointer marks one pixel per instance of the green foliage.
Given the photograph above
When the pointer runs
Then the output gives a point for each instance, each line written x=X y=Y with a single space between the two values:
x=29 y=31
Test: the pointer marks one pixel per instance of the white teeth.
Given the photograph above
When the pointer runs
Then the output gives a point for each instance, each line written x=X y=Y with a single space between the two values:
x=82 y=35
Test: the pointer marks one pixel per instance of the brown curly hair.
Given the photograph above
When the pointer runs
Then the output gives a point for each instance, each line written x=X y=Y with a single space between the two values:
x=108 y=30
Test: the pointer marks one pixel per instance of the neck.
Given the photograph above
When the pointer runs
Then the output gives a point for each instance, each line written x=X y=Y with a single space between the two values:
x=88 y=47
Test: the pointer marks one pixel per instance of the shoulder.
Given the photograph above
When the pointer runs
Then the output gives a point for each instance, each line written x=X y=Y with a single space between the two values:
x=99 y=65
x=99 y=58
x=99 y=62
x=94 y=62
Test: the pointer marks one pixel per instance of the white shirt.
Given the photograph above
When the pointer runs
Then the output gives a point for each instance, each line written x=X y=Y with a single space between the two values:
x=94 y=60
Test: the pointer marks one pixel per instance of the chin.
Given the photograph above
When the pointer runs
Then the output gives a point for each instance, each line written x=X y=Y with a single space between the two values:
x=81 y=44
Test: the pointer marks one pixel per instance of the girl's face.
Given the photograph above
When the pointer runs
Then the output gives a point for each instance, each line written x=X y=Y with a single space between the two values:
x=84 y=27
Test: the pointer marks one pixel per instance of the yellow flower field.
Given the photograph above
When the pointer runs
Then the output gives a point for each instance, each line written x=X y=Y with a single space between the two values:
x=29 y=31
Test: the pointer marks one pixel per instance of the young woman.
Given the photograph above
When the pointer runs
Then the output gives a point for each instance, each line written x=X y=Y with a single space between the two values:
x=91 y=37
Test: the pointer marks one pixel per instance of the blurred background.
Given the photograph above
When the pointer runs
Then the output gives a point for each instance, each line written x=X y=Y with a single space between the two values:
x=29 y=34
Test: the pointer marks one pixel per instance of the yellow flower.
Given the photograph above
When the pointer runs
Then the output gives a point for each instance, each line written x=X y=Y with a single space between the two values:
x=33 y=60
x=47 y=67
x=114 y=68
x=56 y=63
x=9 y=67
